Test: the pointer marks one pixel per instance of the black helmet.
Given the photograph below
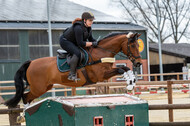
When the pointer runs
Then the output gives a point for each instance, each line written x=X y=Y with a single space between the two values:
x=87 y=15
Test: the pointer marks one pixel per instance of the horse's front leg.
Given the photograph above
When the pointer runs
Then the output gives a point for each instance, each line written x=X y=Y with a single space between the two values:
x=130 y=79
x=115 y=71
x=127 y=74
x=125 y=68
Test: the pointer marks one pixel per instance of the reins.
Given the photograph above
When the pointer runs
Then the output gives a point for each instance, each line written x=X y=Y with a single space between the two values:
x=130 y=54
x=112 y=52
x=128 y=51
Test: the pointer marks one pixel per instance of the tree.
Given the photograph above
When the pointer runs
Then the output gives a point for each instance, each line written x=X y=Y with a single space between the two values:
x=174 y=17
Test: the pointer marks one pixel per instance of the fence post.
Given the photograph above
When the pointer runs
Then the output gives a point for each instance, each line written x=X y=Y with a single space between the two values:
x=65 y=92
x=170 y=100
x=13 y=117
x=107 y=89
x=156 y=79
x=96 y=90
x=73 y=91
x=177 y=76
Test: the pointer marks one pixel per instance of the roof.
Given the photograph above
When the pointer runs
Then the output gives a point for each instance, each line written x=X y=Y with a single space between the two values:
x=180 y=49
x=94 y=100
x=36 y=10
x=32 y=14
x=63 y=25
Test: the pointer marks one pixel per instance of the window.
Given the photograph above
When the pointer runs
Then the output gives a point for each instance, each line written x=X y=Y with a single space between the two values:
x=139 y=71
x=9 y=45
x=98 y=121
x=129 y=120
x=39 y=43
x=120 y=65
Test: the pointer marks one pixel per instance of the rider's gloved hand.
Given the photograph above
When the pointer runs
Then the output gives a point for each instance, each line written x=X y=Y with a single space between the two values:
x=95 y=44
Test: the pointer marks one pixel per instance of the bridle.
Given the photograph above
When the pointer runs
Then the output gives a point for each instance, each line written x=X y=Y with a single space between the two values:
x=130 y=54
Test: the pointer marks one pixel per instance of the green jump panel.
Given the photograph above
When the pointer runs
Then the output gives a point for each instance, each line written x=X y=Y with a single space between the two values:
x=90 y=110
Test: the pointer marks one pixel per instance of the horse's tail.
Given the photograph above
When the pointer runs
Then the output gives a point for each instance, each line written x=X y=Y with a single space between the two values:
x=19 y=85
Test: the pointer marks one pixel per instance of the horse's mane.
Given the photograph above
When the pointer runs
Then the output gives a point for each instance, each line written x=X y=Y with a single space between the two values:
x=113 y=34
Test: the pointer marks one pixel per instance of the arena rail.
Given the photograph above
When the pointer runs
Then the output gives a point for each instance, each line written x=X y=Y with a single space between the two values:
x=177 y=75
x=170 y=106
x=13 y=114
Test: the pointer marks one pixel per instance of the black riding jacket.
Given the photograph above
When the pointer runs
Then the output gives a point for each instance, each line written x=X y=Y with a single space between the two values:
x=78 y=34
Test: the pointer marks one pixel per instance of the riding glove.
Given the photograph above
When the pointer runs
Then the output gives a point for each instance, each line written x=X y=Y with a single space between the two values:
x=95 y=44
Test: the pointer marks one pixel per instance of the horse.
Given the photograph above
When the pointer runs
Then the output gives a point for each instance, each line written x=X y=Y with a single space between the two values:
x=40 y=74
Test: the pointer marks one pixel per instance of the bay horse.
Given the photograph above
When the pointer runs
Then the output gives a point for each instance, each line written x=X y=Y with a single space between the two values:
x=40 y=74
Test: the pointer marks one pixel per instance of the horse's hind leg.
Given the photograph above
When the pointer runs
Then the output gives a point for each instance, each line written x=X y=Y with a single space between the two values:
x=35 y=93
x=113 y=72
x=28 y=97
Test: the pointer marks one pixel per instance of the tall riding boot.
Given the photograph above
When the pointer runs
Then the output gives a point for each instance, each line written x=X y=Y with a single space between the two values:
x=73 y=65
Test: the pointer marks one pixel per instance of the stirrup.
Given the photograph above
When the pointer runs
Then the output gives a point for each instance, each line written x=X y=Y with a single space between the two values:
x=73 y=77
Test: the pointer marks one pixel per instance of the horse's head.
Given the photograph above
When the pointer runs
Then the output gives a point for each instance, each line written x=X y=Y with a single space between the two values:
x=130 y=47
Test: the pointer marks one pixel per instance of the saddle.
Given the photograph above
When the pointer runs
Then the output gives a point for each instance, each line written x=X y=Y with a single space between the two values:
x=63 y=60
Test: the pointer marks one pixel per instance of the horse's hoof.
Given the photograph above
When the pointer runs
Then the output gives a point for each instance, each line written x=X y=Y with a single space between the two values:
x=20 y=119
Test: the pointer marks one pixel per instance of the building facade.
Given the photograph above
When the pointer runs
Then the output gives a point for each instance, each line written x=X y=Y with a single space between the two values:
x=24 y=35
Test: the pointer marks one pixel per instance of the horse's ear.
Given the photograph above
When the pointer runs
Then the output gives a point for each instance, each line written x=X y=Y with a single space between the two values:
x=138 y=35
x=130 y=35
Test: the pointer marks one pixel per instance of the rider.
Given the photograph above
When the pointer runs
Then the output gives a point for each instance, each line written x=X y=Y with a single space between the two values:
x=76 y=36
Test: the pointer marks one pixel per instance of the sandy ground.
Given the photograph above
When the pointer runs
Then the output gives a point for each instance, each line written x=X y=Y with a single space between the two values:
x=154 y=115
x=180 y=115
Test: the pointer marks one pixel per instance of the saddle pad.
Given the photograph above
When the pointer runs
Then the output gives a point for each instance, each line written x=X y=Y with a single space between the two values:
x=64 y=67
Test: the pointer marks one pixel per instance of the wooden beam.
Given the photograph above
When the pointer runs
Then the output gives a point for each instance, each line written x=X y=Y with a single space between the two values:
x=169 y=106
x=170 y=100
x=169 y=124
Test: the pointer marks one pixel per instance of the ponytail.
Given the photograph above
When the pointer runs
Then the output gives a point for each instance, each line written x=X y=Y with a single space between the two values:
x=77 y=19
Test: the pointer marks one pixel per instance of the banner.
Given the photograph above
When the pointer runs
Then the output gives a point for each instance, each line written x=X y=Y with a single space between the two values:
x=188 y=74
x=185 y=70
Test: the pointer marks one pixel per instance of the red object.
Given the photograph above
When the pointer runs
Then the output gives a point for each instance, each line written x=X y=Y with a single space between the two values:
x=130 y=93
x=185 y=91
x=129 y=120
x=137 y=92
x=184 y=85
x=153 y=92
x=98 y=121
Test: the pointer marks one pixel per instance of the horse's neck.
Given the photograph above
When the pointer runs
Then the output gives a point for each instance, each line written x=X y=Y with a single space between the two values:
x=109 y=47
x=113 y=44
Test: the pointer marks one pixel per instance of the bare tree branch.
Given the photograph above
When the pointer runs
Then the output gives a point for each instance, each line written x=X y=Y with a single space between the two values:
x=174 y=17
x=170 y=17
x=121 y=2
x=184 y=29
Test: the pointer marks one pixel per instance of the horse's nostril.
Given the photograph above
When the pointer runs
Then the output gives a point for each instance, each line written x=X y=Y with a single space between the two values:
x=138 y=64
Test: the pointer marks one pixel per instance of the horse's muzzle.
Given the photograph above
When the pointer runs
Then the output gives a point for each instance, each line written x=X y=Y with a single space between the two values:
x=137 y=64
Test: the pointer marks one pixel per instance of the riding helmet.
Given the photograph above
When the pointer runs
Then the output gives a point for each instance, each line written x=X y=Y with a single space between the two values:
x=87 y=15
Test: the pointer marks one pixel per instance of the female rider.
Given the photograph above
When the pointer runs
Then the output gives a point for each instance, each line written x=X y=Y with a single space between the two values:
x=78 y=35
